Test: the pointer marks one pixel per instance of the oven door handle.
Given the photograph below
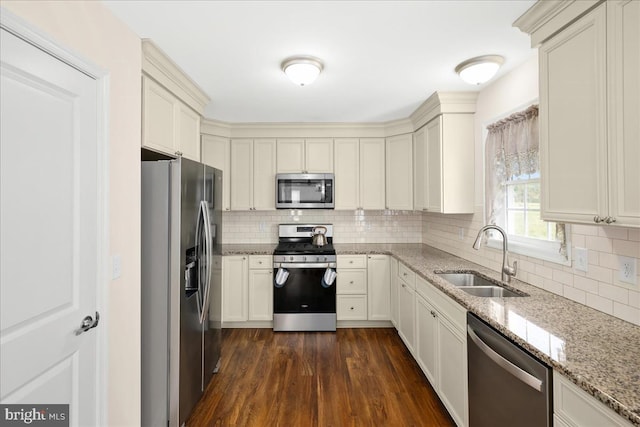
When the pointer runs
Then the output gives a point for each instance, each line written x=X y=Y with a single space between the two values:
x=293 y=265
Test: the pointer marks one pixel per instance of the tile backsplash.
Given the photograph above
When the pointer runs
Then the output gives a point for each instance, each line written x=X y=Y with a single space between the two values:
x=360 y=226
x=598 y=288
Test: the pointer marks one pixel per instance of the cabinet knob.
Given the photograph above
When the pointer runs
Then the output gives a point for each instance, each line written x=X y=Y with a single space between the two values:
x=351 y=308
x=179 y=153
x=598 y=219
x=351 y=282
x=609 y=220
x=433 y=313
x=350 y=262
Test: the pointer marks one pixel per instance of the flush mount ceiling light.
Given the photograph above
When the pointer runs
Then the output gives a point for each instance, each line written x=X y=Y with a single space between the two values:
x=302 y=70
x=480 y=69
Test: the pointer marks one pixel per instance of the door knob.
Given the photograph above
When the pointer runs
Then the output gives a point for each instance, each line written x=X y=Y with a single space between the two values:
x=88 y=323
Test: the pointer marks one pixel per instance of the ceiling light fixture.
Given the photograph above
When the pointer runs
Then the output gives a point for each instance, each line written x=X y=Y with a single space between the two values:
x=480 y=69
x=302 y=70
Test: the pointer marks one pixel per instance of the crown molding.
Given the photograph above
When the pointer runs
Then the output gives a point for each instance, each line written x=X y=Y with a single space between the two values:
x=441 y=103
x=215 y=127
x=545 y=18
x=157 y=65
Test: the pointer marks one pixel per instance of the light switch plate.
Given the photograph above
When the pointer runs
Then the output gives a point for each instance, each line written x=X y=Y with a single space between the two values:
x=116 y=267
x=627 y=270
x=581 y=262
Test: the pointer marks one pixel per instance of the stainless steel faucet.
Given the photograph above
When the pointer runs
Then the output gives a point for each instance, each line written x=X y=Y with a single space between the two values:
x=507 y=270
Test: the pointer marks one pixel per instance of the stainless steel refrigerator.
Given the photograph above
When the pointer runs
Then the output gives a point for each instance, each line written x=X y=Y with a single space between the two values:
x=181 y=286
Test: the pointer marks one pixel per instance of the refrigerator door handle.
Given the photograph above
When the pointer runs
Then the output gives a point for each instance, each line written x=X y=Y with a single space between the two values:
x=204 y=210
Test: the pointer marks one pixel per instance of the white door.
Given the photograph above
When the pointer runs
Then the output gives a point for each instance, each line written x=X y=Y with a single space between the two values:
x=50 y=224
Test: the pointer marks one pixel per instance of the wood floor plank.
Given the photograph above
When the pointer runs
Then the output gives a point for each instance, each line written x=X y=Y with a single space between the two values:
x=353 y=377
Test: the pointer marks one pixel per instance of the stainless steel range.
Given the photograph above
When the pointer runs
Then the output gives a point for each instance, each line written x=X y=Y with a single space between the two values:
x=304 y=267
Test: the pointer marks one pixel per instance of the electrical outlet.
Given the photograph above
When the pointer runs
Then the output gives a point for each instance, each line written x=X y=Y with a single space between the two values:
x=581 y=262
x=628 y=270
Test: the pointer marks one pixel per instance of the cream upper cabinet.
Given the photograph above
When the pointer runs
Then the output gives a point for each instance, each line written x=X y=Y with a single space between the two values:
x=623 y=61
x=419 y=170
x=589 y=127
x=264 y=174
x=372 y=173
x=311 y=155
x=168 y=125
x=253 y=174
x=399 y=172
x=172 y=106
x=215 y=151
x=448 y=164
x=347 y=173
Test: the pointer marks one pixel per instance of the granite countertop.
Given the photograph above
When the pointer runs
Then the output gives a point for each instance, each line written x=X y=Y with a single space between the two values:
x=598 y=352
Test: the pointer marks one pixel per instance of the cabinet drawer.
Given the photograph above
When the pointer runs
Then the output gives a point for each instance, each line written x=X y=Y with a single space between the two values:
x=351 y=282
x=351 y=307
x=578 y=408
x=352 y=261
x=408 y=276
x=444 y=304
x=260 y=261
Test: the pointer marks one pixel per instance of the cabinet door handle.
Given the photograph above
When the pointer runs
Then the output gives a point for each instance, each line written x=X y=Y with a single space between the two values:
x=609 y=220
x=433 y=313
x=598 y=219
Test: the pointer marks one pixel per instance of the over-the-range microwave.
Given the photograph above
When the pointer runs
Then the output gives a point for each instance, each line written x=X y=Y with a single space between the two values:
x=304 y=191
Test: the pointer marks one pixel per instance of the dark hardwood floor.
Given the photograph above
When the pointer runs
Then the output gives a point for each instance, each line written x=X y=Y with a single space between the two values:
x=354 y=377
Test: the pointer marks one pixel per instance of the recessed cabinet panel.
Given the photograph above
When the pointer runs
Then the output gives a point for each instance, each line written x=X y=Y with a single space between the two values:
x=347 y=174
x=351 y=282
x=419 y=169
x=264 y=174
x=434 y=165
x=260 y=294
x=623 y=52
x=351 y=307
x=379 y=287
x=216 y=152
x=399 y=171
x=372 y=173
x=290 y=156
x=235 y=288
x=241 y=174
x=573 y=120
x=158 y=124
x=319 y=155
x=189 y=132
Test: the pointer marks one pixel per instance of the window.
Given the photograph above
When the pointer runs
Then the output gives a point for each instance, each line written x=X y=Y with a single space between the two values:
x=513 y=189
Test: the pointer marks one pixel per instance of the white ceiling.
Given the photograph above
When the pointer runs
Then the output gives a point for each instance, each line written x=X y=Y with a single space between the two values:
x=382 y=58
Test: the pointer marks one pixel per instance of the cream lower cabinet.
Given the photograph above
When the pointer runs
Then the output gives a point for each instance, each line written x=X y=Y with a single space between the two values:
x=215 y=151
x=260 y=287
x=589 y=109
x=351 y=287
x=379 y=287
x=247 y=288
x=441 y=347
x=407 y=306
x=359 y=173
x=399 y=172
x=394 y=283
x=253 y=172
x=235 y=288
x=574 y=407
x=168 y=125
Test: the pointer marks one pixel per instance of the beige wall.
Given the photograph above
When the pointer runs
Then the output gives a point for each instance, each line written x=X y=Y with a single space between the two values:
x=600 y=287
x=92 y=31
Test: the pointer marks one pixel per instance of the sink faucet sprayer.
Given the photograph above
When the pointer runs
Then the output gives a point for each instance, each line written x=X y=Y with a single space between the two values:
x=507 y=270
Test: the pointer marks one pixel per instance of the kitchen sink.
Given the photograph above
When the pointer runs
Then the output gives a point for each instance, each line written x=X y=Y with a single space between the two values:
x=479 y=286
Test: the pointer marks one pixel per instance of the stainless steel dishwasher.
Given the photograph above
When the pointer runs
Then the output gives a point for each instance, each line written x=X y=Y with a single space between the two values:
x=507 y=386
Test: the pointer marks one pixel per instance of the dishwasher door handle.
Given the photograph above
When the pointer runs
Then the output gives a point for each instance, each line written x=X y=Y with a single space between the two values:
x=521 y=375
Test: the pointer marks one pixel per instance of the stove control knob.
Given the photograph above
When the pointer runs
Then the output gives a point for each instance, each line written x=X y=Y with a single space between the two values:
x=325 y=258
x=304 y=258
x=317 y=259
x=290 y=258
